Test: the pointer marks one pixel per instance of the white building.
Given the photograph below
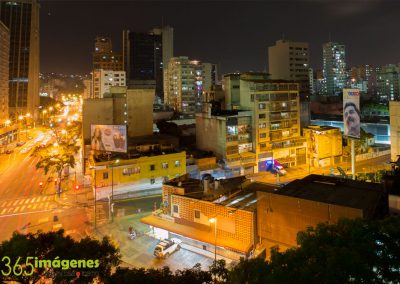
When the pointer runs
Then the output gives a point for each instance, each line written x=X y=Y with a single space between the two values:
x=102 y=80
x=288 y=60
x=184 y=83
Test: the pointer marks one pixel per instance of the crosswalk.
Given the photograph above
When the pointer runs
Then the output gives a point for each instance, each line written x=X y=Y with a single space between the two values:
x=32 y=204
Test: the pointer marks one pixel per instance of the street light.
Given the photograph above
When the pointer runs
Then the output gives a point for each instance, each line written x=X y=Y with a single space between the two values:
x=214 y=221
x=112 y=190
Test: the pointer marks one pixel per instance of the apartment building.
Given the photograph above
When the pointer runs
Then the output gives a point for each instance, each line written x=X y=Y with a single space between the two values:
x=103 y=80
x=184 y=83
x=275 y=107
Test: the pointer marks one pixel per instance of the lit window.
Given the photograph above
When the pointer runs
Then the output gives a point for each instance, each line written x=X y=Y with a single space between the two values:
x=164 y=165
x=177 y=163
x=197 y=214
x=175 y=208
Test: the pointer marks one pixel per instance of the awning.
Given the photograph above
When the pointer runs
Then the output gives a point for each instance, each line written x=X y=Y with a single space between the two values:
x=197 y=234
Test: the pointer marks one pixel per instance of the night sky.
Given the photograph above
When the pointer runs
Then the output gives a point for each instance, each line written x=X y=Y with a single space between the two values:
x=234 y=34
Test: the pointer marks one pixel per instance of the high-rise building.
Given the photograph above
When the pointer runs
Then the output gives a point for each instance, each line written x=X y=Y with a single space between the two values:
x=145 y=55
x=103 y=80
x=104 y=57
x=22 y=19
x=184 y=83
x=335 y=74
x=288 y=60
x=388 y=83
x=4 y=65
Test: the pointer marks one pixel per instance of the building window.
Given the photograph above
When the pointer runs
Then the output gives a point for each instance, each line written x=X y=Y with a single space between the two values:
x=175 y=209
x=261 y=115
x=152 y=167
x=164 y=165
x=127 y=171
x=105 y=175
x=261 y=106
x=197 y=214
x=263 y=135
x=177 y=163
x=152 y=180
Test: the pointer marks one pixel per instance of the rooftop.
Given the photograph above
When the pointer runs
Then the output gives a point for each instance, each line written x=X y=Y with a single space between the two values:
x=334 y=190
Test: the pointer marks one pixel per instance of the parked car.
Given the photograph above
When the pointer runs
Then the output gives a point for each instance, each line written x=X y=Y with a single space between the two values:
x=278 y=170
x=167 y=247
x=9 y=151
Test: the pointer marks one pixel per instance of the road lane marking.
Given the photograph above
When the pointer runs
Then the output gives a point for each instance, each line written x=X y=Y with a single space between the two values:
x=23 y=207
x=16 y=209
x=24 y=213
x=21 y=202
x=34 y=206
x=15 y=203
x=33 y=200
x=29 y=206
x=2 y=205
x=27 y=201
x=4 y=210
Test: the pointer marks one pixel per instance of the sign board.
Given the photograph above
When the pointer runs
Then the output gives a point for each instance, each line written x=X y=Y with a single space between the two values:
x=351 y=113
x=109 y=138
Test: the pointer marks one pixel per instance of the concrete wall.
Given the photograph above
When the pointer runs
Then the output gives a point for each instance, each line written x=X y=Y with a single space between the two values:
x=280 y=218
x=394 y=110
x=96 y=111
x=211 y=134
x=140 y=111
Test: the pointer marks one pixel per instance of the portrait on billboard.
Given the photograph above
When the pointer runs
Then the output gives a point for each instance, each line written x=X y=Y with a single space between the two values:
x=110 y=138
x=351 y=113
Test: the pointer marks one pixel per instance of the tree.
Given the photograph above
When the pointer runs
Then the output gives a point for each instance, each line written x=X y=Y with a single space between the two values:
x=56 y=246
x=193 y=275
x=56 y=157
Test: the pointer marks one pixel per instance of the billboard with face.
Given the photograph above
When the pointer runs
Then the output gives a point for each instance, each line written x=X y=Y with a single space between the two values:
x=109 y=138
x=351 y=113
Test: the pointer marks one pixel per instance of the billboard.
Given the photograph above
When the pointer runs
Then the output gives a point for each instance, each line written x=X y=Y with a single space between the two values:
x=351 y=113
x=110 y=138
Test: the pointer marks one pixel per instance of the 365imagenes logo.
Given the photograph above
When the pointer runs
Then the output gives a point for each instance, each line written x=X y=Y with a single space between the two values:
x=20 y=267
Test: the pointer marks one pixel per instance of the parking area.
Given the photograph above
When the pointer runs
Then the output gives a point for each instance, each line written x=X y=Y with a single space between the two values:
x=139 y=252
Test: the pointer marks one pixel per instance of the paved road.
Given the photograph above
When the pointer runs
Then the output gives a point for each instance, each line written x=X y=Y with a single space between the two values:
x=299 y=172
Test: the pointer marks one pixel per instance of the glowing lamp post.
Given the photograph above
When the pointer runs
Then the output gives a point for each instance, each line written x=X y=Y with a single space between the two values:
x=214 y=221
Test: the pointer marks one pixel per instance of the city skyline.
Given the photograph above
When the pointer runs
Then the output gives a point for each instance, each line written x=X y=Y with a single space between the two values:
x=239 y=33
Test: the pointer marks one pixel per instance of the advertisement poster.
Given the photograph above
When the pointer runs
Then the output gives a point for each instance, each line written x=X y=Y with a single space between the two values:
x=351 y=113
x=109 y=138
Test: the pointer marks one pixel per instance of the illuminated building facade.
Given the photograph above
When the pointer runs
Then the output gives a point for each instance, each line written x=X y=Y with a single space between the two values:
x=394 y=109
x=103 y=80
x=104 y=57
x=21 y=17
x=334 y=68
x=275 y=107
x=184 y=83
x=4 y=65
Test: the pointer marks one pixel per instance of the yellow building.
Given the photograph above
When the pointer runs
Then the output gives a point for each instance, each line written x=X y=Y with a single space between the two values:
x=324 y=145
x=145 y=172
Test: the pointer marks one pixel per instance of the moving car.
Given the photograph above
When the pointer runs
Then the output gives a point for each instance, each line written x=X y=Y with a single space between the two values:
x=20 y=143
x=166 y=247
